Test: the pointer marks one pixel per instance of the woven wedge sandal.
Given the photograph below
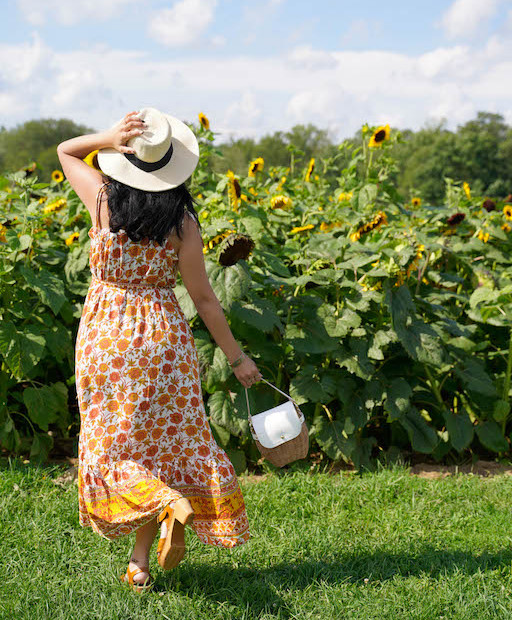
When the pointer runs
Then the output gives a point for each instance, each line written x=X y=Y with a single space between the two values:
x=171 y=549
x=138 y=587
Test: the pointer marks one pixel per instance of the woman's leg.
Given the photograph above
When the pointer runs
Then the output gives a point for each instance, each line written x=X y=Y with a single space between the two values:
x=144 y=537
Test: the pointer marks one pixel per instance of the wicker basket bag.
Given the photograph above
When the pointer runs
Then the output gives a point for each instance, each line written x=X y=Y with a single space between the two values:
x=280 y=433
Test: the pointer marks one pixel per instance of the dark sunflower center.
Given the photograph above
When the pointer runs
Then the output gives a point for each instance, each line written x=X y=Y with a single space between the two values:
x=380 y=135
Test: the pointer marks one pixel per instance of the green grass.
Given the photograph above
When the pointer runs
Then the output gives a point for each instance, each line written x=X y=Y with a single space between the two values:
x=383 y=545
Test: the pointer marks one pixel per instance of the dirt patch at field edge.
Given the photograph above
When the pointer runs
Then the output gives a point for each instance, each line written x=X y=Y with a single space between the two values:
x=485 y=469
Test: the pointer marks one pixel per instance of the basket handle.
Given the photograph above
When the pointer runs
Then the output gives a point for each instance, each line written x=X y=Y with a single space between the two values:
x=275 y=388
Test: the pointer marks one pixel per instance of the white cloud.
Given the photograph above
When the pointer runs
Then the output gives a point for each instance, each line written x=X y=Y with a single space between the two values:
x=445 y=61
x=183 y=23
x=253 y=95
x=242 y=113
x=360 y=30
x=20 y=63
x=464 y=17
x=69 y=12
x=307 y=57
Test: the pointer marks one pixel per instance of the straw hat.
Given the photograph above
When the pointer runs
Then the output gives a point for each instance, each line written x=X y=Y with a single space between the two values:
x=166 y=154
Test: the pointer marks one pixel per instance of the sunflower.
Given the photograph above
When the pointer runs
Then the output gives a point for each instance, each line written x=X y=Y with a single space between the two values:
x=234 y=248
x=414 y=263
x=326 y=227
x=301 y=228
x=506 y=227
x=345 y=196
x=310 y=169
x=216 y=240
x=56 y=205
x=3 y=230
x=92 y=160
x=483 y=236
x=281 y=202
x=416 y=202
x=30 y=168
x=507 y=212
x=455 y=219
x=280 y=184
x=489 y=205
x=255 y=166
x=72 y=237
x=378 y=220
x=467 y=190
x=234 y=190
x=42 y=199
x=381 y=134
x=57 y=176
x=204 y=121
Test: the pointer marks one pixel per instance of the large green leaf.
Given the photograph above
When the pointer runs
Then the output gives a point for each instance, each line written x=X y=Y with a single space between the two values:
x=423 y=437
x=337 y=326
x=367 y=195
x=273 y=264
x=261 y=314
x=229 y=283
x=355 y=359
x=460 y=429
x=312 y=384
x=45 y=403
x=490 y=435
x=76 y=264
x=213 y=361
x=49 y=287
x=331 y=438
x=475 y=378
x=398 y=398
x=420 y=341
x=224 y=413
x=21 y=350
x=310 y=338
x=378 y=341
x=59 y=341
x=185 y=302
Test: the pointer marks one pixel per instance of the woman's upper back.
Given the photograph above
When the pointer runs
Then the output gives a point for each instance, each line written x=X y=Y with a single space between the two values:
x=115 y=258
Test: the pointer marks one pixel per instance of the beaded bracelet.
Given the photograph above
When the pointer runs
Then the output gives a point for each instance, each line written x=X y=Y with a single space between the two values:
x=238 y=360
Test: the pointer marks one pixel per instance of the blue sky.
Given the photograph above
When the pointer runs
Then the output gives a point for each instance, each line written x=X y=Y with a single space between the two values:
x=254 y=68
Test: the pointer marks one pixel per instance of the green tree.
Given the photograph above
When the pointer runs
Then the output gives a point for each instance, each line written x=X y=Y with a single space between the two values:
x=37 y=141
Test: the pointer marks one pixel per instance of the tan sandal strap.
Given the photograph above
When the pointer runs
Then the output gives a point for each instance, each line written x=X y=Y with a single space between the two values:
x=136 y=571
x=160 y=545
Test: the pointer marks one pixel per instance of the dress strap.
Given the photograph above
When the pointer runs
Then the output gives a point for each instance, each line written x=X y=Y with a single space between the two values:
x=98 y=205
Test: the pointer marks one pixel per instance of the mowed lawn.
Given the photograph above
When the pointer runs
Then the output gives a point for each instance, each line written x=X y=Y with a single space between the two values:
x=383 y=545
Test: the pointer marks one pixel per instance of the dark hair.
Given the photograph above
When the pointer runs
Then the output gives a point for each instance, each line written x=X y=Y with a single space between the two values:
x=147 y=214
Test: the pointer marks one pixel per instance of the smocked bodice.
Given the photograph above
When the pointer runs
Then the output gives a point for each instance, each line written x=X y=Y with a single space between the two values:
x=115 y=258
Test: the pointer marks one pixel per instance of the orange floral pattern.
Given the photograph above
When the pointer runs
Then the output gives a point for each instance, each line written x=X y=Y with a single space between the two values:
x=144 y=438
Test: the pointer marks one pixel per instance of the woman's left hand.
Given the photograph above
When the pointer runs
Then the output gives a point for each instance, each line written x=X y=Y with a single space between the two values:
x=127 y=128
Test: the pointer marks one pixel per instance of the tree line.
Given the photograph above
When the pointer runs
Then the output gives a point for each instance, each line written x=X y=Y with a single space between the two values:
x=478 y=151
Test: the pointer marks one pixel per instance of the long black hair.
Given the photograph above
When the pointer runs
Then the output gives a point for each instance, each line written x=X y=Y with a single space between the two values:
x=148 y=214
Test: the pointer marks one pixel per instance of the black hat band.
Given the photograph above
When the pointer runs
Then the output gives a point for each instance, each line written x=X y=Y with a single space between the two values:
x=152 y=165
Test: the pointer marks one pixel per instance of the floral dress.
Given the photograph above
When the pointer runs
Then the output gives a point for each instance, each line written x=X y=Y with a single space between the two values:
x=144 y=438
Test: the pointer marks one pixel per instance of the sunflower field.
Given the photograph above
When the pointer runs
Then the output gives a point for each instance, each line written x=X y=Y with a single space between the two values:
x=388 y=320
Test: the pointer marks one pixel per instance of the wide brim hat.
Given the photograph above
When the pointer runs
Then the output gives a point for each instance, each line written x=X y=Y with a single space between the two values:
x=166 y=154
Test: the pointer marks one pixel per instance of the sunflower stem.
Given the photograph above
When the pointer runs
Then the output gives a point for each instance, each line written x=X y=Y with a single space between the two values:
x=506 y=383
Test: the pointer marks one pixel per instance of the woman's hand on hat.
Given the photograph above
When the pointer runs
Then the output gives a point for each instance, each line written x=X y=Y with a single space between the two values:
x=247 y=372
x=128 y=127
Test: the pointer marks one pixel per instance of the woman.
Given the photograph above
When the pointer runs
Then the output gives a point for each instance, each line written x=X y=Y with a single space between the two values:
x=146 y=452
